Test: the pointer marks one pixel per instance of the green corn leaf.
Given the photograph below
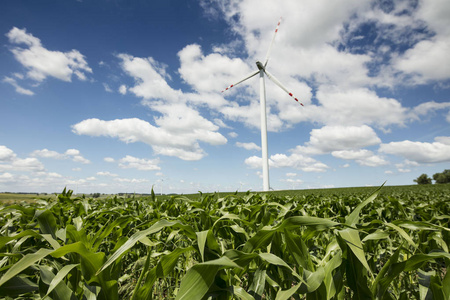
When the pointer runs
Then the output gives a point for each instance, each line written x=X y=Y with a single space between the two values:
x=446 y=284
x=259 y=282
x=60 y=290
x=195 y=284
x=163 y=269
x=377 y=235
x=287 y=294
x=138 y=235
x=90 y=262
x=351 y=237
x=353 y=218
x=168 y=262
x=102 y=234
x=260 y=239
x=201 y=240
x=275 y=260
x=412 y=263
x=59 y=277
x=47 y=222
x=24 y=263
x=78 y=223
x=313 y=279
x=17 y=286
x=242 y=259
x=425 y=284
x=90 y=267
x=137 y=288
x=241 y=293
x=6 y=239
x=295 y=222
x=90 y=292
x=228 y=216
x=354 y=271
x=379 y=288
x=330 y=266
x=198 y=279
x=27 y=211
x=51 y=240
x=298 y=250
x=403 y=234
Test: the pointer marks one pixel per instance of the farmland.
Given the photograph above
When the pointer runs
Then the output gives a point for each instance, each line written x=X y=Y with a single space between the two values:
x=352 y=243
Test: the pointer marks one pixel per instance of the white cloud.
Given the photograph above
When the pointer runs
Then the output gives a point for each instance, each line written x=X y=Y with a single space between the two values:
x=6 y=154
x=248 y=146
x=221 y=123
x=150 y=82
x=10 y=162
x=295 y=160
x=42 y=63
x=233 y=134
x=139 y=163
x=45 y=153
x=18 y=88
x=133 y=180
x=428 y=59
x=72 y=154
x=107 y=88
x=291 y=174
x=291 y=180
x=178 y=128
x=356 y=107
x=363 y=157
x=178 y=135
x=427 y=109
x=6 y=177
x=335 y=138
x=108 y=174
x=404 y=166
x=29 y=164
x=209 y=73
x=109 y=159
x=420 y=152
x=443 y=140
x=81 y=159
x=123 y=89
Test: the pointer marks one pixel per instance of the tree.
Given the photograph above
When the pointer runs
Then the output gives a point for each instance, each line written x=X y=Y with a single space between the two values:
x=443 y=177
x=423 y=179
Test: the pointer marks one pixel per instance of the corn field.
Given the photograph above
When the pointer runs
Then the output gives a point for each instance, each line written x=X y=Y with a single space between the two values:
x=250 y=246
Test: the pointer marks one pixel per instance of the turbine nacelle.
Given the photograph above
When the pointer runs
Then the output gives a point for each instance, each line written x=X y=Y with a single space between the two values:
x=260 y=65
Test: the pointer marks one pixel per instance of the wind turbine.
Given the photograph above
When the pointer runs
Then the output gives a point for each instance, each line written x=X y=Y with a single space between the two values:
x=262 y=98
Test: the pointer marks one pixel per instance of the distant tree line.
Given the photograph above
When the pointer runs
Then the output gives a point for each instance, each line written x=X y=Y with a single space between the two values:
x=443 y=177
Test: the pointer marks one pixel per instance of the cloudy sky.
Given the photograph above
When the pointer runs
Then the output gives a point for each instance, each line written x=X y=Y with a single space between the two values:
x=119 y=96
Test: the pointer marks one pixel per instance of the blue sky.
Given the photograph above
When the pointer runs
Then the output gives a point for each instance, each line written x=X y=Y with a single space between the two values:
x=119 y=96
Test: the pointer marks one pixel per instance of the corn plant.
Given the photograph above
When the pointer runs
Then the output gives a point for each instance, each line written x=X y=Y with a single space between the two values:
x=250 y=246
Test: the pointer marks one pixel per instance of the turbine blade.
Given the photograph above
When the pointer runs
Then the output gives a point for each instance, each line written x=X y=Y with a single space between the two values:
x=270 y=47
x=244 y=79
x=277 y=82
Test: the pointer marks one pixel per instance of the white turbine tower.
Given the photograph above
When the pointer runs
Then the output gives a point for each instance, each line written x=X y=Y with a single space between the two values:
x=262 y=96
